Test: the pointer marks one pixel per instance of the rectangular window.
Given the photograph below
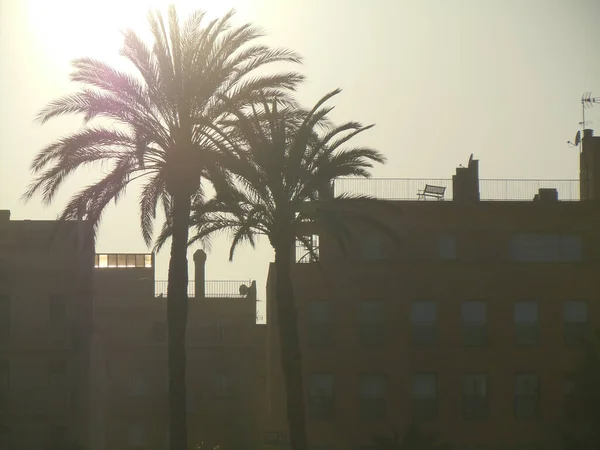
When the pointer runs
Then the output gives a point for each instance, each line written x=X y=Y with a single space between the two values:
x=372 y=322
x=321 y=396
x=546 y=248
x=139 y=261
x=372 y=246
x=526 y=322
x=320 y=323
x=372 y=396
x=446 y=247
x=57 y=374
x=475 y=397
x=424 y=396
x=130 y=260
x=223 y=384
x=474 y=320
x=423 y=317
x=137 y=386
x=159 y=332
x=57 y=314
x=307 y=249
x=112 y=260
x=527 y=395
x=575 y=317
x=4 y=318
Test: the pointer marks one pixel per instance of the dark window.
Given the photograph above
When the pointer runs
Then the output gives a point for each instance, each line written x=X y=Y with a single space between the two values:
x=423 y=315
x=372 y=246
x=159 y=332
x=546 y=248
x=474 y=318
x=372 y=322
x=4 y=318
x=424 y=395
x=575 y=321
x=527 y=395
x=475 y=397
x=58 y=310
x=321 y=396
x=446 y=247
x=320 y=319
x=57 y=374
x=526 y=322
x=372 y=396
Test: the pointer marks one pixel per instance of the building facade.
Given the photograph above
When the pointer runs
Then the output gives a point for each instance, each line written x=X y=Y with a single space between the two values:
x=466 y=320
x=45 y=323
x=225 y=358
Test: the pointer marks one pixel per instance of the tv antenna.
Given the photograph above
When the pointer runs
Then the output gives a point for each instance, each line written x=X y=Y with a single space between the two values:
x=587 y=102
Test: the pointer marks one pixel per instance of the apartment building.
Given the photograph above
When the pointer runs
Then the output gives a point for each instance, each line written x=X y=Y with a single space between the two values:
x=45 y=323
x=466 y=321
x=225 y=358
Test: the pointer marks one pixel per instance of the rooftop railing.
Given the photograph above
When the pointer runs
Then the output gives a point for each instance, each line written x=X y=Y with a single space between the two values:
x=489 y=189
x=212 y=288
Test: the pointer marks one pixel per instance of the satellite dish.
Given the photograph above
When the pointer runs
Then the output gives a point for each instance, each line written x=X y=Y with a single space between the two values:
x=578 y=138
x=244 y=290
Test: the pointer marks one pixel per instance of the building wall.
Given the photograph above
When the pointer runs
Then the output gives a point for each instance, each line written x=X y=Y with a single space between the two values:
x=409 y=271
x=225 y=357
x=45 y=290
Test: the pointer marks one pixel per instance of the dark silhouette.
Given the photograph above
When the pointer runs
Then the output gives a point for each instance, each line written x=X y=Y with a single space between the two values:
x=164 y=133
x=287 y=161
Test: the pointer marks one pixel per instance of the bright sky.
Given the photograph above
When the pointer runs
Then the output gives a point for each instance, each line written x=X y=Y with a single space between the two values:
x=440 y=78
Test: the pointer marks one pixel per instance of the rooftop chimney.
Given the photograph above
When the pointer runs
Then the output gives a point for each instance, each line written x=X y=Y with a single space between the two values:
x=589 y=166
x=465 y=184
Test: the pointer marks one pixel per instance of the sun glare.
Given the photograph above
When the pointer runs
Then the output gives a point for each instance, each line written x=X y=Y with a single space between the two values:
x=68 y=29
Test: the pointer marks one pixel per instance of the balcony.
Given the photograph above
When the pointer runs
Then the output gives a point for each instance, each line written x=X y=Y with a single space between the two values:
x=490 y=189
x=212 y=288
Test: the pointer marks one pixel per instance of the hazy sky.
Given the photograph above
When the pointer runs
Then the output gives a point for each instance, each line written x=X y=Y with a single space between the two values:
x=441 y=79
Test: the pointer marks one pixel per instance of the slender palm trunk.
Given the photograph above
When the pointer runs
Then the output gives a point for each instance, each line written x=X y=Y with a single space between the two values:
x=177 y=320
x=291 y=356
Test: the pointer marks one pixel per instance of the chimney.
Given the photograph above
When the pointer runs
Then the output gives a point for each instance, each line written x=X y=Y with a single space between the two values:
x=465 y=184
x=546 y=195
x=199 y=274
x=589 y=166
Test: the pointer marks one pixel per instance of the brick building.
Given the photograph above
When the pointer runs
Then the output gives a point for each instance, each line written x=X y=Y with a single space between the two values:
x=468 y=323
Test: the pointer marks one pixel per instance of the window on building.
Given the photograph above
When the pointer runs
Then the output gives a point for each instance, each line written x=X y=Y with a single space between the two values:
x=307 y=249
x=137 y=386
x=372 y=246
x=57 y=314
x=475 y=397
x=446 y=247
x=423 y=315
x=424 y=396
x=4 y=318
x=372 y=322
x=526 y=322
x=137 y=435
x=474 y=323
x=321 y=396
x=159 y=331
x=57 y=373
x=546 y=248
x=575 y=321
x=223 y=384
x=527 y=395
x=372 y=396
x=320 y=323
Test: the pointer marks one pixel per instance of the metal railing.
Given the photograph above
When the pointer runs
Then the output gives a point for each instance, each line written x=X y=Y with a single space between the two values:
x=212 y=288
x=489 y=189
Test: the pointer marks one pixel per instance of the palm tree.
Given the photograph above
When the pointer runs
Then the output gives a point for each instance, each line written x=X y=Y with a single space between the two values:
x=287 y=159
x=159 y=128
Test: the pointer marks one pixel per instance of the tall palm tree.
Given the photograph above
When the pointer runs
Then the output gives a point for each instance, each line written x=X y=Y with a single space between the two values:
x=158 y=126
x=286 y=160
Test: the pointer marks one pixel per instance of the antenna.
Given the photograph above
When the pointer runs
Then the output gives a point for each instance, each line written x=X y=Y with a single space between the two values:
x=587 y=101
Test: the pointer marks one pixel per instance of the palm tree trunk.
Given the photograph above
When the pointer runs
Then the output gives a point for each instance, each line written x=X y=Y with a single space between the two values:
x=177 y=320
x=291 y=356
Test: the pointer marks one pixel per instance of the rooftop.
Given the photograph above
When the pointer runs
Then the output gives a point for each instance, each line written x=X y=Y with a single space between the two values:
x=489 y=189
